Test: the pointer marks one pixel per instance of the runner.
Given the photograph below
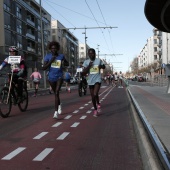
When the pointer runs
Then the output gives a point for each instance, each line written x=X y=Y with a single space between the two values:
x=36 y=76
x=55 y=62
x=92 y=67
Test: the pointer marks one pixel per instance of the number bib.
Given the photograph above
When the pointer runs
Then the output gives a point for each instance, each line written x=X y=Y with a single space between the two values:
x=94 y=69
x=56 y=64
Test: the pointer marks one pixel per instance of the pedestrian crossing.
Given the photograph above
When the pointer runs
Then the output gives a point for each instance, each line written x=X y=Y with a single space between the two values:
x=47 y=151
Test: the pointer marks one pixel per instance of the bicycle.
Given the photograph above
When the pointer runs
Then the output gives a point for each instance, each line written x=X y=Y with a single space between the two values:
x=9 y=97
x=82 y=87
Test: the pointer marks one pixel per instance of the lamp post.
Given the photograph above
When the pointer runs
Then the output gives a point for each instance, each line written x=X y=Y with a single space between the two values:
x=85 y=43
x=42 y=43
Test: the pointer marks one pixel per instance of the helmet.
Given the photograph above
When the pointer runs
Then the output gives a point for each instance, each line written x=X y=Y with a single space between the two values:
x=13 y=48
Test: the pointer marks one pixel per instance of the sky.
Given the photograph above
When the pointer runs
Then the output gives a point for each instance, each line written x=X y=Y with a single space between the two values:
x=124 y=42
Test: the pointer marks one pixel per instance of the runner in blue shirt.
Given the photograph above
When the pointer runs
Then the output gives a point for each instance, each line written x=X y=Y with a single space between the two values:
x=55 y=62
x=92 y=67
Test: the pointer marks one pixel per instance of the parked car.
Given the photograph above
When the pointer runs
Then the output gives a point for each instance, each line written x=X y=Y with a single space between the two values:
x=73 y=80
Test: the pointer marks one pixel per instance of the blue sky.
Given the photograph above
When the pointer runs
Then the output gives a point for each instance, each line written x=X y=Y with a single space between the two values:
x=128 y=39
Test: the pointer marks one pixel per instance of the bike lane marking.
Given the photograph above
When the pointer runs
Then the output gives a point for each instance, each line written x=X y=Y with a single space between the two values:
x=75 y=124
x=43 y=154
x=83 y=117
x=13 y=153
x=76 y=111
x=40 y=135
x=63 y=135
x=68 y=117
x=57 y=124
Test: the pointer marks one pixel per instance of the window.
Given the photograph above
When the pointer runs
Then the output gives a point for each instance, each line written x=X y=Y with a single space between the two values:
x=19 y=27
x=7 y=37
x=7 y=20
x=155 y=57
x=18 y=12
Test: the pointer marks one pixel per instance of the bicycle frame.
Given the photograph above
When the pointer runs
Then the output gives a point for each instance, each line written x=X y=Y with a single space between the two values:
x=10 y=83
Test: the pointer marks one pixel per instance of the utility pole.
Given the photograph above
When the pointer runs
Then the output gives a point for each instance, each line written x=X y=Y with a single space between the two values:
x=42 y=44
x=98 y=49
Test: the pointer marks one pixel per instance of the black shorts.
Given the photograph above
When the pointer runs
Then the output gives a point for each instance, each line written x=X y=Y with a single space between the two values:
x=92 y=86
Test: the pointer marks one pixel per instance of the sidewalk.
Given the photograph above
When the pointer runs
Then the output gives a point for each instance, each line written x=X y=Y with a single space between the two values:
x=155 y=104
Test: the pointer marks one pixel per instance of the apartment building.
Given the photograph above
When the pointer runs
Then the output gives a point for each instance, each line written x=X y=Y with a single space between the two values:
x=69 y=44
x=21 y=26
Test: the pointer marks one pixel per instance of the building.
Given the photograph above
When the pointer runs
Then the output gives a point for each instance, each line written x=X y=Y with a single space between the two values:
x=21 y=27
x=69 y=44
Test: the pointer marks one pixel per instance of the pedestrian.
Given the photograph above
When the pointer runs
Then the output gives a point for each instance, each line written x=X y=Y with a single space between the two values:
x=55 y=62
x=92 y=67
x=36 y=76
x=67 y=77
x=120 y=79
x=116 y=79
x=18 y=71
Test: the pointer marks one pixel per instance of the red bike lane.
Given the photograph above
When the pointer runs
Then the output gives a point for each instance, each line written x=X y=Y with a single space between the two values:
x=76 y=140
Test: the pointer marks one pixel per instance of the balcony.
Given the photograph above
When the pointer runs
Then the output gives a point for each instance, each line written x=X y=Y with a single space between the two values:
x=30 y=36
x=31 y=49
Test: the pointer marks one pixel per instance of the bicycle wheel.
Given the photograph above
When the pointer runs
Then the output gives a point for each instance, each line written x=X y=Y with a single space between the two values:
x=5 y=107
x=80 y=89
x=24 y=103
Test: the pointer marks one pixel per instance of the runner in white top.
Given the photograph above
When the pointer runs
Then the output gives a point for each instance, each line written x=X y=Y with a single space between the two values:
x=92 y=67
x=120 y=78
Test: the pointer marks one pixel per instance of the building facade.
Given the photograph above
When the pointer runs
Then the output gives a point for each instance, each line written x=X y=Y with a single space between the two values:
x=69 y=44
x=21 y=26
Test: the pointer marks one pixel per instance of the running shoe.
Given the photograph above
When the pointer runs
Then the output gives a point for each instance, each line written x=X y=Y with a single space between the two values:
x=59 y=109
x=95 y=113
x=98 y=106
x=55 y=115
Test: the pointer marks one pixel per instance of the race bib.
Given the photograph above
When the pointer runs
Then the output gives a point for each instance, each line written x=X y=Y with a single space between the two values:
x=94 y=69
x=56 y=64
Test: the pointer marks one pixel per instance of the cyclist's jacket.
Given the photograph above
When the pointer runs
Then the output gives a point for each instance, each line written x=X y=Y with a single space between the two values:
x=19 y=69
x=94 y=75
x=55 y=70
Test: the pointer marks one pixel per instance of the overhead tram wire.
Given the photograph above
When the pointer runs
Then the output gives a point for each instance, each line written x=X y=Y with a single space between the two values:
x=97 y=24
x=104 y=21
x=75 y=12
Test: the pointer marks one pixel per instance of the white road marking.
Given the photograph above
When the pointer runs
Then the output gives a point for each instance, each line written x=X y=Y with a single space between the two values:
x=83 y=117
x=63 y=135
x=92 y=108
x=68 y=117
x=86 y=104
x=89 y=102
x=76 y=111
x=89 y=111
x=13 y=153
x=75 y=124
x=57 y=124
x=103 y=87
x=43 y=154
x=40 y=135
x=81 y=108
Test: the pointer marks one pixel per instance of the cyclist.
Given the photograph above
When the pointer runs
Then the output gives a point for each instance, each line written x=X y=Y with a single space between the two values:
x=55 y=62
x=36 y=76
x=19 y=71
x=81 y=76
x=93 y=66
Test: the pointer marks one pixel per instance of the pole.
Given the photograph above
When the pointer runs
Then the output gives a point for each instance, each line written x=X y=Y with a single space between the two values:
x=42 y=44
x=98 y=50
x=85 y=43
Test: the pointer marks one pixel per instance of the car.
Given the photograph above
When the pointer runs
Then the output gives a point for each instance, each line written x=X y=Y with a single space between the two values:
x=73 y=80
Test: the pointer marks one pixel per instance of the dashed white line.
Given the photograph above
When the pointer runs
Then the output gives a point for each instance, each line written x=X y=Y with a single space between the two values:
x=63 y=135
x=89 y=111
x=92 y=108
x=89 y=102
x=75 y=124
x=40 y=135
x=57 y=124
x=81 y=108
x=76 y=111
x=68 y=117
x=83 y=117
x=86 y=104
x=13 y=153
x=43 y=154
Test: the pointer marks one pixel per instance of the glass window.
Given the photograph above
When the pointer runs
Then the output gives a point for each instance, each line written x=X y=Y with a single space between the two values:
x=7 y=20
x=19 y=27
x=7 y=37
